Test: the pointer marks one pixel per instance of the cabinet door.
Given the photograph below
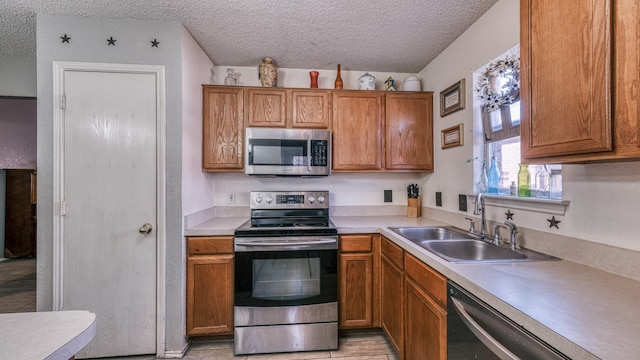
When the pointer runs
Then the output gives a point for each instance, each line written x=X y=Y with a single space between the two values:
x=392 y=300
x=266 y=107
x=566 y=77
x=426 y=326
x=357 y=125
x=409 y=132
x=356 y=290
x=310 y=108
x=222 y=129
x=210 y=294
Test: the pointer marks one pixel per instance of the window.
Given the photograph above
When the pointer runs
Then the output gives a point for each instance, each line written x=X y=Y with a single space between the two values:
x=498 y=96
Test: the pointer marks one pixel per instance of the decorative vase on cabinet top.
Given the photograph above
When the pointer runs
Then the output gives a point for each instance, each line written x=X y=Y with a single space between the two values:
x=411 y=83
x=268 y=72
x=367 y=82
x=314 y=79
x=338 y=84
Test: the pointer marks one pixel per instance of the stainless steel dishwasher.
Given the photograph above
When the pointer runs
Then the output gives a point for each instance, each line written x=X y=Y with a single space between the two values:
x=477 y=331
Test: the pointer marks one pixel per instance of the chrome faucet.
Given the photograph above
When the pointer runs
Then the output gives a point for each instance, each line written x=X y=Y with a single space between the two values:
x=514 y=230
x=479 y=210
x=496 y=234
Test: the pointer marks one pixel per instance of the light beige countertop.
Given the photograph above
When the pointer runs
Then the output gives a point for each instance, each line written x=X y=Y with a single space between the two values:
x=583 y=312
x=219 y=226
x=45 y=335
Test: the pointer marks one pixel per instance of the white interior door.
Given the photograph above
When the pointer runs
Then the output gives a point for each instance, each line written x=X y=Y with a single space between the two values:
x=109 y=177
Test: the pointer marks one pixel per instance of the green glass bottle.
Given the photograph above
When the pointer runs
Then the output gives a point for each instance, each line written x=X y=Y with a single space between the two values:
x=523 y=181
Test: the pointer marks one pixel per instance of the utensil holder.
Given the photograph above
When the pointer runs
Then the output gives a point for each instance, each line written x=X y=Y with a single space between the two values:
x=414 y=207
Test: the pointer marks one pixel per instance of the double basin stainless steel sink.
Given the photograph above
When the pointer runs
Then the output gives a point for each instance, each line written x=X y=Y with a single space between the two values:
x=456 y=245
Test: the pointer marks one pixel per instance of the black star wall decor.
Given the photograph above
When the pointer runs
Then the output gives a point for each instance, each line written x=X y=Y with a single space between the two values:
x=111 y=41
x=509 y=214
x=553 y=222
x=65 y=39
x=155 y=43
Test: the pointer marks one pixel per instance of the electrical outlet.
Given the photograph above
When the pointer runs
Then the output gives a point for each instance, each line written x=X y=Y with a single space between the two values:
x=231 y=198
x=462 y=202
x=438 y=198
x=388 y=196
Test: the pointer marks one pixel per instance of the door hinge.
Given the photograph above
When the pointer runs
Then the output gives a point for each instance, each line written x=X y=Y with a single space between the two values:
x=63 y=102
x=63 y=208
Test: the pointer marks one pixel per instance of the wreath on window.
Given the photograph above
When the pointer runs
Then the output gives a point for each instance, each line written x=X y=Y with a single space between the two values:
x=499 y=83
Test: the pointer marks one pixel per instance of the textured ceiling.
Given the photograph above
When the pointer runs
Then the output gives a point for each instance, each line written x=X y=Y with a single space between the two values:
x=373 y=35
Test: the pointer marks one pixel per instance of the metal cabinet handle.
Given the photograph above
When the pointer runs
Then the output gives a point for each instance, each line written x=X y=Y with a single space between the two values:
x=146 y=228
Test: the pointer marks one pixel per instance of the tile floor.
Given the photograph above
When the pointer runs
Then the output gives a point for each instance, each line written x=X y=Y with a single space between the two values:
x=18 y=294
x=370 y=346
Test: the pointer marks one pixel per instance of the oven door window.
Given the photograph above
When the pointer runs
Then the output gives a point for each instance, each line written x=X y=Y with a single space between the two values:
x=276 y=152
x=285 y=278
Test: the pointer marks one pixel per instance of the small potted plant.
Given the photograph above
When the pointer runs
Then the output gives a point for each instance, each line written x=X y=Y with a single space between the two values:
x=414 y=207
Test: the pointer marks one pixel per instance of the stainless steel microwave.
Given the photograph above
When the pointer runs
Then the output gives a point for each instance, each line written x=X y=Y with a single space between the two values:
x=287 y=152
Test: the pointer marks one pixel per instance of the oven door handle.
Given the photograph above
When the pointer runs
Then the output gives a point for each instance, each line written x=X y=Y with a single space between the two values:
x=493 y=344
x=287 y=243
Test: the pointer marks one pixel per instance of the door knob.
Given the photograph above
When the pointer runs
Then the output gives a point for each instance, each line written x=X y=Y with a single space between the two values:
x=146 y=228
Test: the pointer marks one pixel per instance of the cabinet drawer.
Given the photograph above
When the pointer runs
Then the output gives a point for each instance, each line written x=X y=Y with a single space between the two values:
x=428 y=279
x=355 y=243
x=392 y=251
x=207 y=245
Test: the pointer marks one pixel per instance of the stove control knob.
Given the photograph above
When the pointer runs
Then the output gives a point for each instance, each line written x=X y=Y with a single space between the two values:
x=312 y=199
x=269 y=199
x=258 y=198
x=321 y=199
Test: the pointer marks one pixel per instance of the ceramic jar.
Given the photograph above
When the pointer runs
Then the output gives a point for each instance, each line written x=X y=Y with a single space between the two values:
x=367 y=82
x=268 y=72
x=411 y=83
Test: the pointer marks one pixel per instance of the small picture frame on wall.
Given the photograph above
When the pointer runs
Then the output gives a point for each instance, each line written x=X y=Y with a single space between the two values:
x=452 y=98
x=453 y=136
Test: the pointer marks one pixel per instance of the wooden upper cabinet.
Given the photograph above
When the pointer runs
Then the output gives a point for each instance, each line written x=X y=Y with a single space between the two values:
x=309 y=109
x=566 y=77
x=223 y=129
x=357 y=123
x=266 y=107
x=409 y=131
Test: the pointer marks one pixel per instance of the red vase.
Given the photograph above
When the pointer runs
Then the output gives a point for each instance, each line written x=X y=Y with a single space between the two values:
x=314 y=79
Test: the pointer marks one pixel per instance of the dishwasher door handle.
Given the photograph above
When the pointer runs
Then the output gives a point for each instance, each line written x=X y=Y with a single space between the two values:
x=493 y=344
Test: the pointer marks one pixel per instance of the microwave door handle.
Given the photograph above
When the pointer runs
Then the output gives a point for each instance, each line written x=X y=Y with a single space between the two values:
x=309 y=153
x=493 y=344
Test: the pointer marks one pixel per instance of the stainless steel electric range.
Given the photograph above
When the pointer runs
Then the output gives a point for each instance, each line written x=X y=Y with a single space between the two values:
x=286 y=274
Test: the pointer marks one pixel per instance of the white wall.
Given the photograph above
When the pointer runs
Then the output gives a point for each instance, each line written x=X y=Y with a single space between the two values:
x=18 y=76
x=603 y=197
x=88 y=44
x=197 y=188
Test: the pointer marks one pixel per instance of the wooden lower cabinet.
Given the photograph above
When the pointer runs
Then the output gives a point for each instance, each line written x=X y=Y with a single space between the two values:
x=358 y=285
x=425 y=306
x=210 y=265
x=413 y=305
